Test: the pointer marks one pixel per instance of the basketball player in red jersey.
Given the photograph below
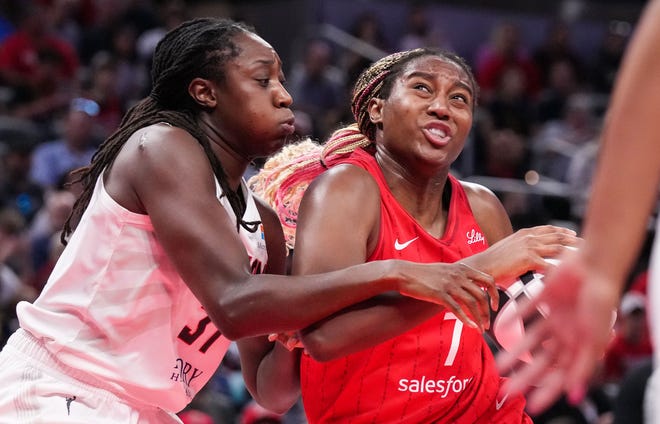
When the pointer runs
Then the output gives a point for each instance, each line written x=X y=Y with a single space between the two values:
x=391 y=359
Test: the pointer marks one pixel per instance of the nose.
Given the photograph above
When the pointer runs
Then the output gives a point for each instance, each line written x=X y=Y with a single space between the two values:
x=439 y=107
x=282 y=97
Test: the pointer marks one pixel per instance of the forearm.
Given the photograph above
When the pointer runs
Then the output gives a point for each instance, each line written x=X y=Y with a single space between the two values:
x=362 y=326
x=271 y=373
x=264 y=304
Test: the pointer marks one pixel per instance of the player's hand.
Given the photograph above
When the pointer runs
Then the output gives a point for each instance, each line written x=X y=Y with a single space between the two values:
x=569 y=342
x=289 y=340
x=525 y=250
x=460 y=288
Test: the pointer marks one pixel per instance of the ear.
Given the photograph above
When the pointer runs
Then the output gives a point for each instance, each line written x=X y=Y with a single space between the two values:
x=375 y=110
x=203 y=92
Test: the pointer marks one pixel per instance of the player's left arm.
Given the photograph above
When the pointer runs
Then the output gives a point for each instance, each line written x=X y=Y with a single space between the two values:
x=271 y=371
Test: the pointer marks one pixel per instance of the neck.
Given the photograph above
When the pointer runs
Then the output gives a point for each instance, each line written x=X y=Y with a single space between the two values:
x=421 y=196
x=233 y=163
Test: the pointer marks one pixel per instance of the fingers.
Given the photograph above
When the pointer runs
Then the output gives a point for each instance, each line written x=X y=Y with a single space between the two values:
x=581 y=368
x=541 y=398
x=485 y=281
x=289 y=341
x=455 y=307
x=507 y=361
x=549 y=229
x=475 y=299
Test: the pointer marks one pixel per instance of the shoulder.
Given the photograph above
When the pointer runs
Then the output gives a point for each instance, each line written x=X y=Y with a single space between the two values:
x=487 y=210
x=345 y=180
x=162 y=160
x=479 y=196
x=343 y=192
x=155 y=144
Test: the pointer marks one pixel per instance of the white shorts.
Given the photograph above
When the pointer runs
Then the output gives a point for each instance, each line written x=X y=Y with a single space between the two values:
x=37 y=389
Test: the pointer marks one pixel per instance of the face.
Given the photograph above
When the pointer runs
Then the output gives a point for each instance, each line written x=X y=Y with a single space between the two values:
x=427 y=116
x=252 y=113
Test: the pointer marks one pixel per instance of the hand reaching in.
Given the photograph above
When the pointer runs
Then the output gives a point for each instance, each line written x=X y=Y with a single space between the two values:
x=569 y=342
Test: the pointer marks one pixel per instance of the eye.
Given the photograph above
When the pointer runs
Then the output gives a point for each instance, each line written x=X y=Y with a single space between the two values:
x=263 y=81
x=461 y=97
x=422 y=87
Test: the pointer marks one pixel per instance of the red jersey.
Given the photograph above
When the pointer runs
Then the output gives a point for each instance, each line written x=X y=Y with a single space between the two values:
x=438 y=372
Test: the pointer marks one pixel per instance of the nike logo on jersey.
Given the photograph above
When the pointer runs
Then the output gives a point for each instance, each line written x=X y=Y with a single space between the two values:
x=401 y=246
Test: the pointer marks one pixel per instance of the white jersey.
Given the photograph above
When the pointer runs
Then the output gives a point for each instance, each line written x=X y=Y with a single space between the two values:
x=115 y=308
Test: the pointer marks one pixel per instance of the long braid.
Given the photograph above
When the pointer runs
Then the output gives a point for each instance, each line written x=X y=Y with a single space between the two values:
x=197 y=48
x=287 y=174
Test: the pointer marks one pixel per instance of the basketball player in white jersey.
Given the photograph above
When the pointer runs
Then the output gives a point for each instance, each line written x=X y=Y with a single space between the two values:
x=170 y=256
x=588 y=284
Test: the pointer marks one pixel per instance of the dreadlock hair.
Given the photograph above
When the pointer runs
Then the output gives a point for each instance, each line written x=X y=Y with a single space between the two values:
x=197 y=48
x=287 y=174
x=283 y=179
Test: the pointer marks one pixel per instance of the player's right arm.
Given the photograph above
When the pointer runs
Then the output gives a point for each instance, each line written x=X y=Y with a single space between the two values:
x=163 y=171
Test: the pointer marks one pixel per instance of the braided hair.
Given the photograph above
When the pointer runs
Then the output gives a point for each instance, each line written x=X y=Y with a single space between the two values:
x=285 y=176
x=196 y=48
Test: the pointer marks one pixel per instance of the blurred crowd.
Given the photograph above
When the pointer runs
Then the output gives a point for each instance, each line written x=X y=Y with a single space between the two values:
x=70 y=69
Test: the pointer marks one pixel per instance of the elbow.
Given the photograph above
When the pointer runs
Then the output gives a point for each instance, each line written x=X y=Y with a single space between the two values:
x=229 y=323
x=320 y=348
x=235 y=316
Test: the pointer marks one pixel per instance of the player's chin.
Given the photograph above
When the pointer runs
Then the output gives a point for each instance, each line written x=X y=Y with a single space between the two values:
x=274 y=144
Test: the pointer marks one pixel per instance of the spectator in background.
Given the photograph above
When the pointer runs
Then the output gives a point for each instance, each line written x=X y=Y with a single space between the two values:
x=99 y=84
x=503 y=128
x=73 y=150
x=18 y=139
x=609 y=55
x=557 y=141
x=501 y=53
x=253 y=413
x=12 y=286
x=171 y=14
x=49 y=221
x=580 y=171
x=562 y=82
x=97 y=36
x=366 y=27
x=511 y=106
x=68 y=18
x=556 y=47
x=131 y=77
x=421 y=32
x=318 y=87
x=631 y=345
x=110 y=15
x=38 y=66
x=6 y=21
